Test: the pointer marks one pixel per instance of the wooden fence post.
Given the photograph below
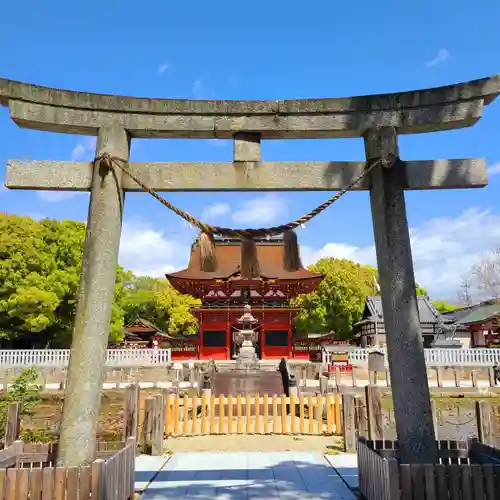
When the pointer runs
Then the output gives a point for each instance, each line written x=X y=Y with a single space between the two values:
x=483 y=419
x=147 y=424
x=349 y=422
x=337 y=377
x=491 y=377
x=159 y=425
x=474 y=378
x=323 y=385
x=131 y=412
x=353 y=376
x=97 y=478
x=12 y=426
x=361 y=417
x=439 y=376
x=3 y=380
x=387 y=377
x=374 y=408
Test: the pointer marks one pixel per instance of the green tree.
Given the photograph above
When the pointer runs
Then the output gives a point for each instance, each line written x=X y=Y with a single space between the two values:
x=24 y=391
x=443 y=306
x=156 y=300
x=339 y=301
x=40 y=264
x=420 y=291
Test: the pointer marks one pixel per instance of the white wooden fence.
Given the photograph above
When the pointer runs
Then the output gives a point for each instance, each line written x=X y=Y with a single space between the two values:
x=434 y=357
x=158 y=357
x=60 y=357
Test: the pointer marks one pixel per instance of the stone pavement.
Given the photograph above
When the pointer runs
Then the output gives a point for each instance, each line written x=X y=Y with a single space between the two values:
x=247 y=475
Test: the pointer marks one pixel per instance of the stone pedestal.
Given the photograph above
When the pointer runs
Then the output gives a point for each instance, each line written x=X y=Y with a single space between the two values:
x=446 y=344
x=247 y=357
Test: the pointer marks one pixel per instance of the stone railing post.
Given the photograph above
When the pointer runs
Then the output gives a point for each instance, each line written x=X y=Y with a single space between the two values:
x=86 y=371
x=405 y=351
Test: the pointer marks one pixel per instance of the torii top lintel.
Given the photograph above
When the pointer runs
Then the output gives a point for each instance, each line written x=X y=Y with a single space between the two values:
x=429 y=110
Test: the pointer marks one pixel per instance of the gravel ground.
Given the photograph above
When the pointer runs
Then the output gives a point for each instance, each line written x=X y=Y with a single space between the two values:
x=273 y=442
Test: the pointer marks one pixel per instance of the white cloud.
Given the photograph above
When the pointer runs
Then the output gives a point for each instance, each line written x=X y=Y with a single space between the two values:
x=443 y=249
x=78 y=152
x=216 y=210
x=84 y=150
x=149 y=252
x=261 y=210
x=442 y=56
x=494 y=169
x=163 y=67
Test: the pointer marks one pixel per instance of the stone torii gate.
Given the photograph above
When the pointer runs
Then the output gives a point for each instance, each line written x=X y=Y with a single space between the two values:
x=379 y=119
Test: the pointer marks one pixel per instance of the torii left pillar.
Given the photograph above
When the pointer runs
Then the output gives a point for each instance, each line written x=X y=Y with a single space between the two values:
x=87 y=365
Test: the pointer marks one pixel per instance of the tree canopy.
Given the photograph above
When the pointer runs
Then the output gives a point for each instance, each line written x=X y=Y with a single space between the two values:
x=156 y=300
x=339 y=300
x=40 y=264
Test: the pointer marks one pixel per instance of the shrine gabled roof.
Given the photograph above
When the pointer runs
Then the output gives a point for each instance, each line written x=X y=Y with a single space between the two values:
x=475 y=313
x=144 y=323
x=480 y=314
x=141 y=322
x=373 y=310
x=270 y=256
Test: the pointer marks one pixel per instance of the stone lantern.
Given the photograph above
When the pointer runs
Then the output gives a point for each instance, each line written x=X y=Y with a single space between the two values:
x=246 y=337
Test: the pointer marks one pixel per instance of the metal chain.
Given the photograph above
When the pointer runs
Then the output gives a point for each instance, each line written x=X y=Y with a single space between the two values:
x=110 y=161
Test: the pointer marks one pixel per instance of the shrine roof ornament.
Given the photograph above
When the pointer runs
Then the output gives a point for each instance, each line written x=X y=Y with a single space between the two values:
x=429 y=110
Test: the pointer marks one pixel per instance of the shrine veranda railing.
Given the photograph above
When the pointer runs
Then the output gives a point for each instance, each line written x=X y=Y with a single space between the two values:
x=160 y=357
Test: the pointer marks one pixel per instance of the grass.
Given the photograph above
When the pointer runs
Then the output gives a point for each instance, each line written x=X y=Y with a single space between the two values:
x=43 y=425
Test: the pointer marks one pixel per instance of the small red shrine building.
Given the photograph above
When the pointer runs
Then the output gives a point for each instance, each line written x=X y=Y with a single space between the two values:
x=224 y=293
x=143 y=334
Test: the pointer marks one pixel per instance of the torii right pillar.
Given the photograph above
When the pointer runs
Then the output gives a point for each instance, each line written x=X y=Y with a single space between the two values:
x=405 y=350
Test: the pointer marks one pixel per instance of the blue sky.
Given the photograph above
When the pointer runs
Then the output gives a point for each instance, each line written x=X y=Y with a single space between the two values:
x=263 y=50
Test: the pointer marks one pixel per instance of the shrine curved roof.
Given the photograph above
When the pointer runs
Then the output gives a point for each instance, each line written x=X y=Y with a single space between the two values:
x=270 y=258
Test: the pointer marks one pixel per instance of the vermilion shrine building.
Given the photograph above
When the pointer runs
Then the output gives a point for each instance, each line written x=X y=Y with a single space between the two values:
x=224 y=294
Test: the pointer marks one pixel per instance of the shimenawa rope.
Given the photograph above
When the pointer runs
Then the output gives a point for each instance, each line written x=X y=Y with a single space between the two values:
x=110 y=161
x=249 y=268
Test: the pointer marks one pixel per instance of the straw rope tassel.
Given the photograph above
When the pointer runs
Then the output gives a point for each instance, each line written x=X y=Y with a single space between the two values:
x=291 y=254
x=250 y=267
x=208 y=257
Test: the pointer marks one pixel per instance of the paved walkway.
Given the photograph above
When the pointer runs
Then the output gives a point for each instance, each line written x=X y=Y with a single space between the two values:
x=247 y=475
